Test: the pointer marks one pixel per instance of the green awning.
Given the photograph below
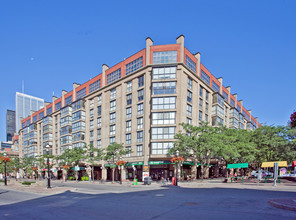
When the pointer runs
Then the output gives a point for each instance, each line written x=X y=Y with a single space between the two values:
x=237 y=165
x=134 y=163
x=109 y=165
x=159 y=162
x=188 y=163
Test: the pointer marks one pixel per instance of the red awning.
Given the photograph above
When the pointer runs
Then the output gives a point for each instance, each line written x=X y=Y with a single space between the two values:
x=294 y=164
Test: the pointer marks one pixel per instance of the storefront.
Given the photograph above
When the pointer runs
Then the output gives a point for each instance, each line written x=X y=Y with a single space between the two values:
x=186 y=169
x=134 y=170
x=161 y=169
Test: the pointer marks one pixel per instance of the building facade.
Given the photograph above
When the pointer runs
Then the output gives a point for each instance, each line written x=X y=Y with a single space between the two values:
x=10 y=124
x=24 y=105
x=139 y=102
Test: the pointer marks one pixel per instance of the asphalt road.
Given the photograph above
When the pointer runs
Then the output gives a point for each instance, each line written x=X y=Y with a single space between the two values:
x=125 y=202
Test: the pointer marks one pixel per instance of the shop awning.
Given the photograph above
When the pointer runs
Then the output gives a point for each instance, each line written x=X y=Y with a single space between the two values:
x=188 y=163
x=134 y=163
x=237 y=165
x=271 y=164
x=109 y=165
x=159 y=162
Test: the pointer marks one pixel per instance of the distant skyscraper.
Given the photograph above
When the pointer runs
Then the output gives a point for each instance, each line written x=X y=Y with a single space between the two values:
x=24 y=104
x=10 y=124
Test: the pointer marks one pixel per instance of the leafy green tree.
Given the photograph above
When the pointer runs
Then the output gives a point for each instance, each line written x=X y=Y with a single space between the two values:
x=72 y=157
x=113 y=153
x=198 y=143
x=94 y=155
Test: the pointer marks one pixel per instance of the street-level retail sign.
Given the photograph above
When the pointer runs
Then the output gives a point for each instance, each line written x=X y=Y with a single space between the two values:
x=159 y=162
x=134 y=163
x=271 y=164
x=237 y=165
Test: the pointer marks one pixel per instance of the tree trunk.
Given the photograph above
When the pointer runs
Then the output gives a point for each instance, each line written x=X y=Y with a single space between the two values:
x=76 y=176
x=113 y=170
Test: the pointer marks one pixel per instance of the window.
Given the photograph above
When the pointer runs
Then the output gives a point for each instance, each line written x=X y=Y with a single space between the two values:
x=129 y=99
x=113 y=93
x=140 y=136
x=113 y=105
x=206 y=118
x=58 y=106
x=133 y=66
x=189 y=121
x=112 y=117
x=225 y=95
x=164 y=88
x=91 y=124
x=77 y=105
x=112 y=140
x=162 y=133
x=140 y=123
x=68 y=100
x=112 y=129
x=99 y=99
x=99 y=133
x=35 y=118
x=99 y=143
x=232 y=102
x=129 y=150
x=141 y=81
x=215 y=86
x=91 y=113
x=91 y=134
x=189 y=96
x=189 y=110
x=128 y=138
x=200 y=116
x=99 y=110
x=95 y=86
x=218 y=110
x=99 y=122
x=164 y=73
x=164 y=103
x=129 y=112
x=79 y=115
x=207 y=107
x=128 y=126
x=111 y=77
x=165 y=57
x=41 y=115
x=140 y=95
x=160 y=118
x=80 y=125
x=140 y=150
x=190 y=64
x=161 y=147
x=48 y=111
x=207 y=95
x=189 y=83
x=81 y=93
x=238 y=108
x=140 y=109
x=200 y=91
x=200 y=103
x=205 y=77
x=129 y=86
x=216 y=120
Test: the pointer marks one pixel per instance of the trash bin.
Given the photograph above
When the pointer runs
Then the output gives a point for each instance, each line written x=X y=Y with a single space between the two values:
x=147 y=180
x=173 y=181
x=135 y=182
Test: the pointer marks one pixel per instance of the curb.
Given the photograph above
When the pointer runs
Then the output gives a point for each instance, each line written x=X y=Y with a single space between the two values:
x=283 y=204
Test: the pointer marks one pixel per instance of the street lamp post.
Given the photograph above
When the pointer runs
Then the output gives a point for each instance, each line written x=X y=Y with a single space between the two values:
x=177 y=153
x=5 y=175
x=48 y=174
x=120 y=171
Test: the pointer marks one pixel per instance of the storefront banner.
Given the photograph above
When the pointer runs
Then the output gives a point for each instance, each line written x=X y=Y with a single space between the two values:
x=159 y=162
x=134 y=163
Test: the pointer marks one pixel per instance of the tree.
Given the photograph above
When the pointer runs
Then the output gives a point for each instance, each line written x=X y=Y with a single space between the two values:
x=95 y=154
x=293 y=120
x=72 y=157
x=198 y=143
x=113 y=153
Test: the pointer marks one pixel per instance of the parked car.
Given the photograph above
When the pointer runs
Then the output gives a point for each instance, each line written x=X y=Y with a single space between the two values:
x=265 y=173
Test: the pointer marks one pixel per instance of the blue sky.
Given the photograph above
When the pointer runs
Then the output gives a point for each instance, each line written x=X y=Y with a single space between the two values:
x=51 y=44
